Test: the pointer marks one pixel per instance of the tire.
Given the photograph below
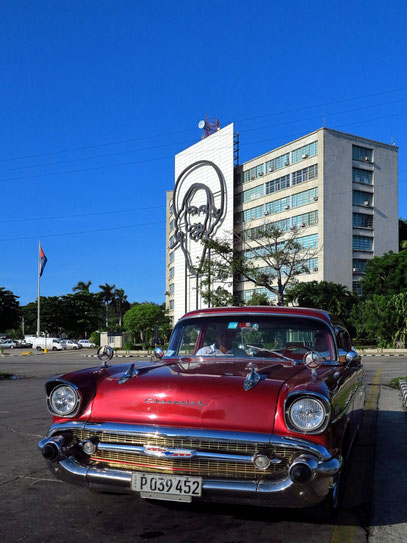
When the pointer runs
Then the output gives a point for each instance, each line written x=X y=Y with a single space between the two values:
x=54 y=348
x=38 y=348
x=75 y=348
x=12 y=347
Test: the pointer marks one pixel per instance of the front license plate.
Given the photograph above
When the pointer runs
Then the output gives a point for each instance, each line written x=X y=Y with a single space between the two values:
x=152 y=485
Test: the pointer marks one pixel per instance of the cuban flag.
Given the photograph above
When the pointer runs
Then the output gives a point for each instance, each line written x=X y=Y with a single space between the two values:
x=43 y=260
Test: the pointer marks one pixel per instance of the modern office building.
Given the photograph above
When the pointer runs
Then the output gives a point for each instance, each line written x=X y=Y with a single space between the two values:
x=338 y=191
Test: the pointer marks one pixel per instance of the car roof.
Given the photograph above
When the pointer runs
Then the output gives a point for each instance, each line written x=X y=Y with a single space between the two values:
x=262 y=309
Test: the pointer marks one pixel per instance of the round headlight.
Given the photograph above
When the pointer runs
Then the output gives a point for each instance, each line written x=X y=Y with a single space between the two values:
x=63 y=400
x=307 y=414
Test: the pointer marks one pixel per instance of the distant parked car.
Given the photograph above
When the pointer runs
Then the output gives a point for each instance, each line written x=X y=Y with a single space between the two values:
x=8 y=344
x=86 y=343
x=49 y=343
x=69 y=344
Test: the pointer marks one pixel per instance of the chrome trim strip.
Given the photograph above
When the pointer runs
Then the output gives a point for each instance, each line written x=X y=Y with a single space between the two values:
x=196 y=454
x=278 y=493
x=215 y=435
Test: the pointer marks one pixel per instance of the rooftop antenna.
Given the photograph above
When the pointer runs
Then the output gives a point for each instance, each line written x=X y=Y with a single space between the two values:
x=209 y=126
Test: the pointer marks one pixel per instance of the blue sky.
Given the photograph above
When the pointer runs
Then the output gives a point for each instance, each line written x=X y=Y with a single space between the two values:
x=97 y=97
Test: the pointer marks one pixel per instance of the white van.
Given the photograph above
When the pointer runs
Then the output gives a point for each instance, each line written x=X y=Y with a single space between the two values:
x=49 y=343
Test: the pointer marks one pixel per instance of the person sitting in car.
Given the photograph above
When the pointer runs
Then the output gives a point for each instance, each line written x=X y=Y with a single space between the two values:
x=321 y=344
x=223 y=346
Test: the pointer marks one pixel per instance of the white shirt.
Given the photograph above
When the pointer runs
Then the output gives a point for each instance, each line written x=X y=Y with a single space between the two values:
x=212 y=350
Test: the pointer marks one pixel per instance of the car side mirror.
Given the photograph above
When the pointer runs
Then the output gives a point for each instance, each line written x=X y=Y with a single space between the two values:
x=158 y=353
x=351 y=356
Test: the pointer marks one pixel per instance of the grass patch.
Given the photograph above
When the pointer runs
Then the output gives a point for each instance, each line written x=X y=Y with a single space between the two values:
x=395 y=383
x=4 y=375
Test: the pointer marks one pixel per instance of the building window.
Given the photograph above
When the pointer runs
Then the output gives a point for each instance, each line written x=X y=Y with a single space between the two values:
x=252 y=194
x=278 y=184
x=253 y=213
x=277 y=206
x=171 y=273
x=362 y=243
x=306 y=219
x=361 y=220
x=305 y=197
x=172 y=241
x=172 y=224
x=360 y=198
x=172 y=288
x=359 y=265
x=362 y=153
x=306 y=151
x=357 y=289
x=308 y=242
x=362 y=176
x=172 y=256
x=305 y=174
x=171 y=304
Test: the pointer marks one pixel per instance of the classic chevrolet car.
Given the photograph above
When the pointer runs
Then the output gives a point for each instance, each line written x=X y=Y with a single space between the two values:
x=256 y=405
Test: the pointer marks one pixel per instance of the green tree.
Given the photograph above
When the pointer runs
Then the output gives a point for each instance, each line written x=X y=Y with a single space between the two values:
x=107 y=296
x=9 y=310
x=332 y=297
x=269 y=257
x=52 y=316
x=402 y=234
x=121 y=304
x=382 y=320
x=259 y=299
x=385 y=275
x=82 y=286
x=141 y=319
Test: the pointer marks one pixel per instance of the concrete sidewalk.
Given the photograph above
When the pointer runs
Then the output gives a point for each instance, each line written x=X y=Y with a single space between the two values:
x=389 y=513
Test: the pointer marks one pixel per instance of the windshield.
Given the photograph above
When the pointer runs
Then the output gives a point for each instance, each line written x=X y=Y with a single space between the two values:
x=251 y=336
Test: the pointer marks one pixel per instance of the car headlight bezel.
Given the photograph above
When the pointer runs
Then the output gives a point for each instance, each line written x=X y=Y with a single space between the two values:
x=75 y=400
x=320 y=401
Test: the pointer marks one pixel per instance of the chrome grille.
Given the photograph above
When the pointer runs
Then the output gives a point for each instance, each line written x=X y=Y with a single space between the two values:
x=191 y=466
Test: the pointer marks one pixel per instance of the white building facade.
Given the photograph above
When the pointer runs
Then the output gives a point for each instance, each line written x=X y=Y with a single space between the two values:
x=340 y=189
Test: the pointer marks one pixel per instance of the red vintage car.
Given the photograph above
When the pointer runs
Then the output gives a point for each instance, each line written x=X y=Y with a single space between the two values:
x=256 y=405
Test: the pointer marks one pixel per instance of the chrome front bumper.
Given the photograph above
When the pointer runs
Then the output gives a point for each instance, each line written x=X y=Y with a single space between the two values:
x=277 y=493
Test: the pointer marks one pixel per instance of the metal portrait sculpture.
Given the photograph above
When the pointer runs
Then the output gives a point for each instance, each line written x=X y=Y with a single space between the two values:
x=195 y=223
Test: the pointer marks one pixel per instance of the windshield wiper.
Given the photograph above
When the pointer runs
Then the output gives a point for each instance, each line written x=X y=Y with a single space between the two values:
x=271 y=352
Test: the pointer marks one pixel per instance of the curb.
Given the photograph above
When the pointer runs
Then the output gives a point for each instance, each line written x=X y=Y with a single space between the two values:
x=403 y=389
x=380 y=354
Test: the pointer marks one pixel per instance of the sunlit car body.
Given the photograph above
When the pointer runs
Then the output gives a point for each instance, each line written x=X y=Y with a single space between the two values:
x=252 y=425
x=86 y=343
x=69 y=344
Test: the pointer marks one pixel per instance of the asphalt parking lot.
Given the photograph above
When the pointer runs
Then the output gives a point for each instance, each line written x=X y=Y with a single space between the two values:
x=35 y=507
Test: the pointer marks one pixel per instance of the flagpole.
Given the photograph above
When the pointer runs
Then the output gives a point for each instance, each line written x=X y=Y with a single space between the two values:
x=39 y=276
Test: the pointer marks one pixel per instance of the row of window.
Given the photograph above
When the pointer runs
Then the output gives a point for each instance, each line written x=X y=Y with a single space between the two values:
x=281 y=183
x=305 y=219
x=362 y=243
x=362 y=153
x=305 y=242
x=308 y=265
x=281 y=161
x=361 y=220
x=296 y=200
x=362 y=176
x=359 y=265
x=360 y=198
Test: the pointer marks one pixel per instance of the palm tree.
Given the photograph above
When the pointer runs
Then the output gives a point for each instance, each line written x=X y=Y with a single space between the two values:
x=82 y=286
x=120 y=300
x=107 y=296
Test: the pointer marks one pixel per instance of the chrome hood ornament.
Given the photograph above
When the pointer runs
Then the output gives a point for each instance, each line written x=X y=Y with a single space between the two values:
x=252 y=378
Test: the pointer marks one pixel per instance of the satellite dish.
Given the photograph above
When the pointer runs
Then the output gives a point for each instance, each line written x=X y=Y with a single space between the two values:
x=201 y=124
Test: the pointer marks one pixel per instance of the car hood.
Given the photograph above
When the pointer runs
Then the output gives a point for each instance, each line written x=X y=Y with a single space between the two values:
x=194 y=394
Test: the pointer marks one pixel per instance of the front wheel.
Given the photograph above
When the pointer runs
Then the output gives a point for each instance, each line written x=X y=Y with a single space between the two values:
x=54 y=348
x=75 y=347
x=38 y=348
